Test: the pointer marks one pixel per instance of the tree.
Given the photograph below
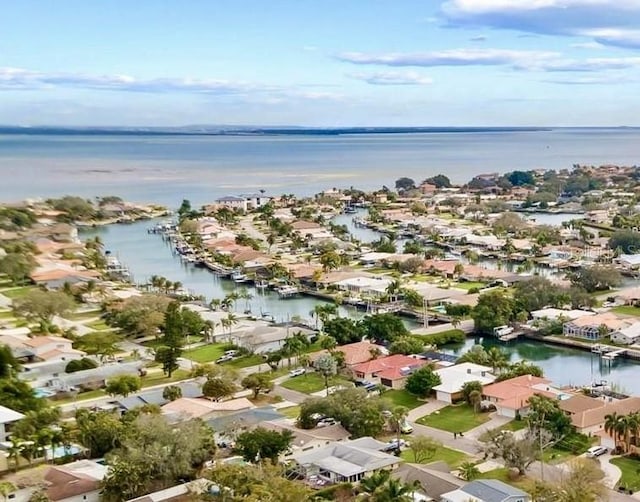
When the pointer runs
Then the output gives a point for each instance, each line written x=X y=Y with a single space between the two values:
x=494 y=308
x=404 y=183
x=384 y=245
x=407 y=345
x=103 y=345
x=537 y=293
x=218 y=387
x=439 y=180
x=6 y=487
x=596 y=278
x=171 y=393
x=516 y=453
x=422 y=381
x=17 y=266
x=614 y=426
x=520 y=178
x=497 y=359
x=327 y=366
x=468 y=388
x=139 y=315
x=508 y=223
x=39 y=305
x=398 y=417
x=468 y=471
x=174 y=329
x=9 y=365
x=583 y=481
x=262 y=444
x=383 y=328
x=371 y=484
x=257 y=382
x=39 y=496
x=123 y=385
x=99 y=431
x=80 y=365
x=330 y=260
x=343 y=330
x=423 y=448
x=625 y=241
x=395 y=490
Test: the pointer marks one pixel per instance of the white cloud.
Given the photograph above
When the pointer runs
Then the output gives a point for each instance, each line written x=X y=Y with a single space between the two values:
x=392 y=78
x=610 y=22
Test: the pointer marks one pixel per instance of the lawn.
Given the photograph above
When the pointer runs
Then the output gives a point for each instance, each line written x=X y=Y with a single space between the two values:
x=502 y=474
x=454 y=418
x=99 y=325
x=204 y=354
x=311 y=382
x=291 y=411
x=158 y=378
x=83 y=396
x=627 y=310
x=400 y=397
x=629 y=466
x=6 y=314
x=19 y=292
x=453 y=458
x=469 y=285
x=513 y=426
x=245 y=361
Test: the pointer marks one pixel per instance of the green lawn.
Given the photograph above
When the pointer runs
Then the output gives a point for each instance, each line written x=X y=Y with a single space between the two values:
x=83 y=396
x=204 y=354
x=513 y=426
x=502 y=474
x=290 y=412
x=469 y=285
x=627 y=310
x=6 y=314
x=245 y=361
x=453 y=458
x=629 y=466
x=400 y=397
x=454 y=418
x=158 y=378
x=99 y=325
x=311 y=382
x=19 y=292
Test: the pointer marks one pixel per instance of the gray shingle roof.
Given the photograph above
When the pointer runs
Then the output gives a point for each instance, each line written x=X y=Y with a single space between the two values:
x=492 y=490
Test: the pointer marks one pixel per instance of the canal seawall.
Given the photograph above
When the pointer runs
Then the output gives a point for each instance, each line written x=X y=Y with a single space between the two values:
x=631 y=354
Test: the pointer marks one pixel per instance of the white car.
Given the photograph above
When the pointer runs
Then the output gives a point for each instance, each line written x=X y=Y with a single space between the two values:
x=596 y=451
x=297 y=372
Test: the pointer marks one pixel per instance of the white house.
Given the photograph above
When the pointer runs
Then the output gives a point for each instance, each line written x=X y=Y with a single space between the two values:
x=627 y=335
x=7 y=417
x=455 y=376
x=233 y=202
x=364 y=285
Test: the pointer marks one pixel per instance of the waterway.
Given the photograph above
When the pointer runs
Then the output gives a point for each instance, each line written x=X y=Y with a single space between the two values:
x=562 y=365
x=146 y=255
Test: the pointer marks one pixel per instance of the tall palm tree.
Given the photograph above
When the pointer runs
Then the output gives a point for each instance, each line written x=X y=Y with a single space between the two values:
x=496 y=358
x=372 y=483
x=398 y=416
x=395 y=490
x=613 y=426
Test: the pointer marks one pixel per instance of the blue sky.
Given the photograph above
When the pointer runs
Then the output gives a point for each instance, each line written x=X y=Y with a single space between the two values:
x=320 y=63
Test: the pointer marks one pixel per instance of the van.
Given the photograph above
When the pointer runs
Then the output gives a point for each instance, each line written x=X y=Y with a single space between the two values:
x=596 y=451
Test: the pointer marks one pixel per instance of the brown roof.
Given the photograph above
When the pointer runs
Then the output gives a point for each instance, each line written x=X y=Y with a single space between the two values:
x=331 y=433
x=513 y=387
x=39 y=341
x=305 y=225
x=63 y=484
x=580 y=403
x=354 y=353
x=592 y=417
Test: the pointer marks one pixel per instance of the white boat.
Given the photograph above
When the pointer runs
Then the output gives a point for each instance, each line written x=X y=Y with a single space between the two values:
x=238 y=276
x=261 y=284
x=287 y=291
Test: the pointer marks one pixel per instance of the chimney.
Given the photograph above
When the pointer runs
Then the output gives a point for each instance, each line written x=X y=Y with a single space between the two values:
x=468 y=371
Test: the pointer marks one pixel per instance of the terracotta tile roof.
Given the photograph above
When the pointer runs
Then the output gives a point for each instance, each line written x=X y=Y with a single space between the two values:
x=593 y=417
x=390 y=365
x=39 y=341
x=609 y=319
x=513 y=387
x=579 y=403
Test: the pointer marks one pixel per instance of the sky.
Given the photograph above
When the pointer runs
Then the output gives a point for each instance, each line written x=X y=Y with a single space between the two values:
x=322 y=63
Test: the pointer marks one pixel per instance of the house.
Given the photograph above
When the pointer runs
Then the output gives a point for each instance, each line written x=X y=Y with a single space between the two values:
x=347 y=461
x=594 y=327
x=433 y=480
x=579 y=403
x=233 y=202
x=182 y=491
x=155 y=397
x=51 y=348
x=455 y=376
x=7 y=417
x=234 y=423
x=629 y=261
x=75 y=482
x=511 y=397
x=368 y=286
x=553 y=314
x=591 y=421
x=186 y=408
x=309 y=439
x=391 y=371
x=486 y=490
x=92 y=378
x=627 y=335
x=355 y=353
x=263 y=338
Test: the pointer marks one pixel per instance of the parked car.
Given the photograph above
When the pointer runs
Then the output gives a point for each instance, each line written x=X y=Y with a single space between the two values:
x=297 y=372
x=394 y=444
x=405 y=428
x=224 y=359
x=231 y=353
x=596 y=451
x=326 y=422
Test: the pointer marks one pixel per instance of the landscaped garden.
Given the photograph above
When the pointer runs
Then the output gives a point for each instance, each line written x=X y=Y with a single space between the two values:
x=455 y=418
x=206 y=353
x=400 y=397
x=630 y=466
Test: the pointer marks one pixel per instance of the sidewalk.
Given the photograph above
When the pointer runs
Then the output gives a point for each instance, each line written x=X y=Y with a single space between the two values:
x=495 y=422
x=425 y=409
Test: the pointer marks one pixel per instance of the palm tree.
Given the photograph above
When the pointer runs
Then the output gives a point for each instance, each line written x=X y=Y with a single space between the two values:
x=372 y=483
x=468 y=471
x=395 y=490
x=398 y=416
x=613 y=425
x=14 y=451
x=215 y=304
x=496 y=358
x=475 y=397
x=6 y=488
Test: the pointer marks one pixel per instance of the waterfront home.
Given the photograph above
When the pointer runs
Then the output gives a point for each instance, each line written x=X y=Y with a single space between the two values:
x=262 y=337
x=594 y=327
x=579 y=403
x=305 y=440
x=629 y=261
x=155 y=397
x=591 y=421
x=629 y=296
x=345 y=462
x=186 y=408
x=553 y=314
x=486 y=490
x=431 y=481
x=455 y=376
x=391 y=371
x=355 y=353
x=180 y=492
x=41 y=348
x=364 y=286
x=233 y=202
x=92 y=378
x=511 y=397
x=628 y=335
x=7 y=417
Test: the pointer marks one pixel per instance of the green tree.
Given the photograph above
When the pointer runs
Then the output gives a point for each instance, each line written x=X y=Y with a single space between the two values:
x=39 y=305
x=383 y=328
x=327 y=366
x=123 y=385
x=6 y=488
x=172 y=341
x=139 y=315
x=494 y=308
x=421 y=381
x=9 y=365
x=405 y=183
x=17 y=266
x=330 y=260
x=98 y=431
x=468 y=471
x=384 y=245
x=218 y=388
x=257 y=382
x=423 y=448
x=625 y=241
x=516 y=453
x=596 y=278
x=343 y=330
x=103 y=345
x=262 y=444
x=407 y=345
x=171 y=393
x=468 y=388
x=18 y=395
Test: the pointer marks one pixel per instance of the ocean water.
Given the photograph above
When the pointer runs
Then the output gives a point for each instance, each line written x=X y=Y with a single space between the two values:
x=166 y=169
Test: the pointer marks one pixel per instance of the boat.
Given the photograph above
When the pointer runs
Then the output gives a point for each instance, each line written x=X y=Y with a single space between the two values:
x=287 y=291
x=350 y=210
x=238 y=276
x=261 y=284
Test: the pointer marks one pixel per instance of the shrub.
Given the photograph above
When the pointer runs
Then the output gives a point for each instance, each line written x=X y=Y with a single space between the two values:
x=80 y=365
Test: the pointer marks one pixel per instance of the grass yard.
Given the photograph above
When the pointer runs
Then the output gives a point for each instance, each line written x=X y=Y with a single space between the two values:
x=469 y=285
x=453 y=458
x=454 y=418
x=629 y=466
x=99 y=325
x=513 y=426
x=83 y=396
x=19 y=292
x=245 y=361
x=400 y=397
x=502 y=474
x=291 y=411
x=311 y=382
x=158 y=378
x=627 y=310
x=204 y=354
